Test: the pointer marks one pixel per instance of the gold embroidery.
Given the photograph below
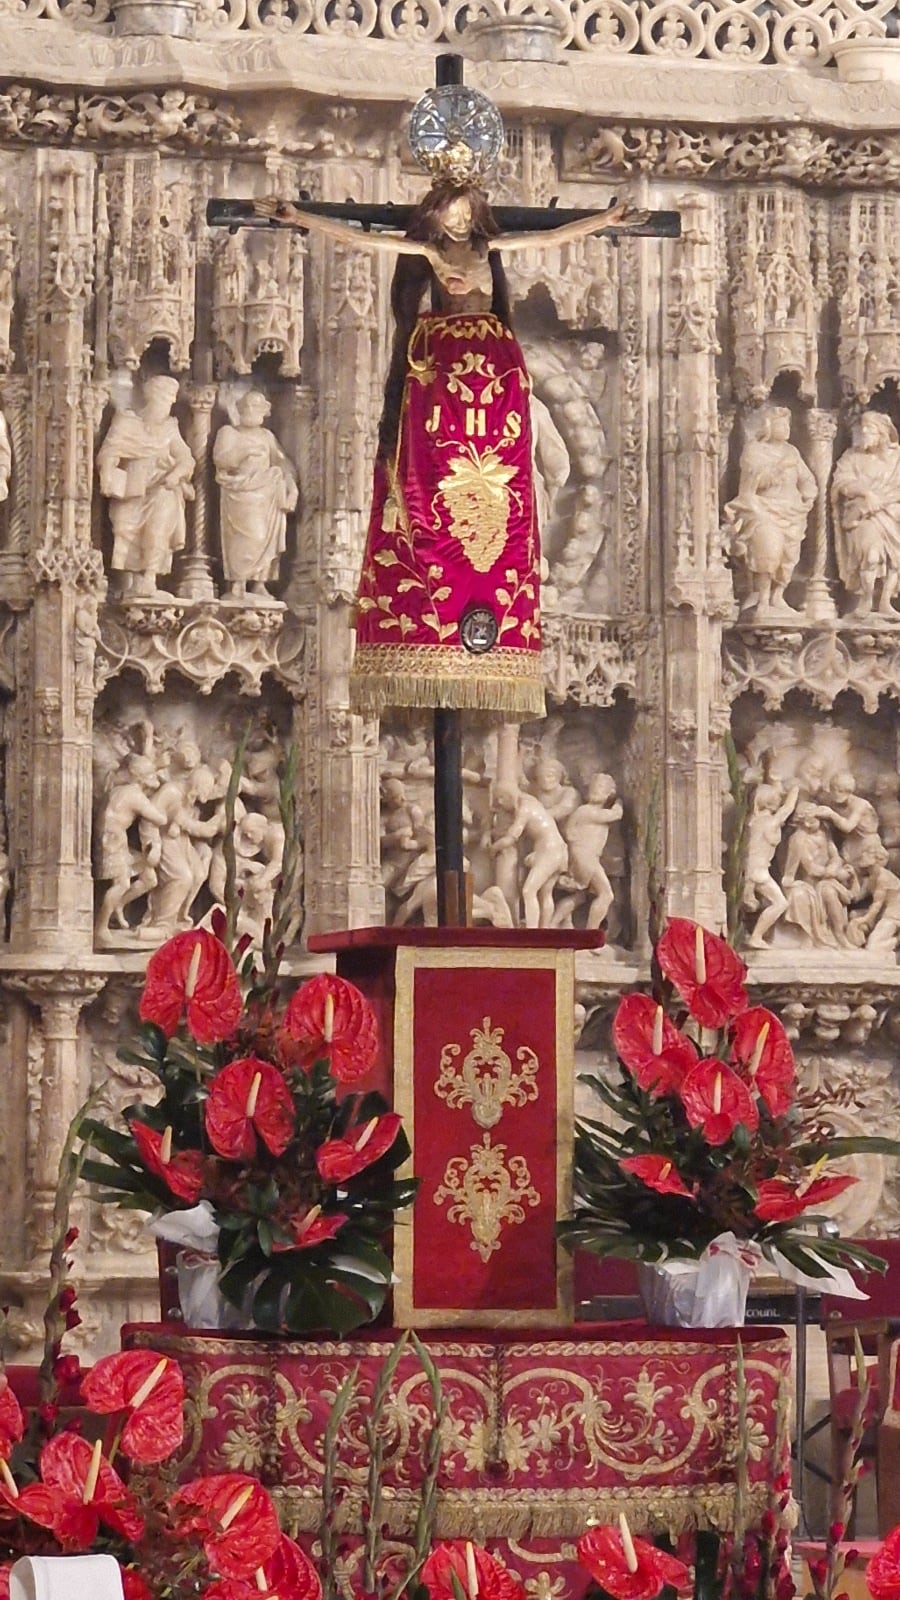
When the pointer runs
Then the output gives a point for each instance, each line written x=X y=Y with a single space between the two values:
x=485 y=1192
x=486 y=1080
x=477 y=496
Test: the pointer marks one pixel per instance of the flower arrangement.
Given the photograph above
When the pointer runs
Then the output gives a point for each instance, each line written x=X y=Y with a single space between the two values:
x=258 y=1139
x=712 y=1136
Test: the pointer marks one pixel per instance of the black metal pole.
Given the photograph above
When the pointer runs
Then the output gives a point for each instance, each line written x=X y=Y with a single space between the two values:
x=448 y=818
x=448 y=792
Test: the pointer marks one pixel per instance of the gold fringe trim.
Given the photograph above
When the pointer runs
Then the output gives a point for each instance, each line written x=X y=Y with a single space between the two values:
x=491 y=1514
x=433 y=675
x=370 y=696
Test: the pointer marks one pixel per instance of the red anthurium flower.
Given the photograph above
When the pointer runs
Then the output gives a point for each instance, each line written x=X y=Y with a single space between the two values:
x=287 y=1575
x=79 y=1490
x=650 y=1046
x=716 y=1100
x=482 y=1576
x=883 y=1571
x=339 y=1159
x=134 y=1586
x=193 y=975
x=629 y=1568
x=235 y=1519
x=657 y=1173
x=761 y=1051
x=705 y=970
x=12 y=1423
x=5 y=1571
x=329 y=1017
x=778 y=1200
x=313 y=1228
x=150 y=1388
x=249 y=1097
x=180 y=1170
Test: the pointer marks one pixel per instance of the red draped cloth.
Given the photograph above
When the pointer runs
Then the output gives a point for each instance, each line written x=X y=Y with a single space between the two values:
x=544 y=1431
x=453 y=527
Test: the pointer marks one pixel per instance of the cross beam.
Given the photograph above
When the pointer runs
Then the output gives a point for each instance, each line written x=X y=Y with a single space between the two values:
x=235 y=214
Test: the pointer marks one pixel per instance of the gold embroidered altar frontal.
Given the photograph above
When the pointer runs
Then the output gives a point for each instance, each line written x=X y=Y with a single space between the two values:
x=542 y=1433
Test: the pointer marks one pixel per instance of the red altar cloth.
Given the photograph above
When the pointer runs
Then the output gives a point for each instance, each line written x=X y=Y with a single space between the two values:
x=543 y=1432
x=481 y=1066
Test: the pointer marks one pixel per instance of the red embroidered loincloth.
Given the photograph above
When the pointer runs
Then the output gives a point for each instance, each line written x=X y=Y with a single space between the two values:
x=453 y=527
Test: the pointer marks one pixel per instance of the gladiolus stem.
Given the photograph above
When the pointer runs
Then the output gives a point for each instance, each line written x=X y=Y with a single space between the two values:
x=717 y=1093
x=193 y=971
x=631 y=1560
x=9 y=1480
x=657 y=1041
x=149 y=1383
x=758 y=1049
x=90 y=1482
x=253 y=1096
x=471 y=1571
x=700 y=956
x=237 y=1504
x=165 y=1149
x=367 y=1133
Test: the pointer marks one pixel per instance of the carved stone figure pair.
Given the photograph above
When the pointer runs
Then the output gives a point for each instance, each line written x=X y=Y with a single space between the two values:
x=767 y=520
x=146 y=472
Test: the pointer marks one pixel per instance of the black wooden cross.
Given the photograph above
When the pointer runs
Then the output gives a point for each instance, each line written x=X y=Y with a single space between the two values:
x=452 y=888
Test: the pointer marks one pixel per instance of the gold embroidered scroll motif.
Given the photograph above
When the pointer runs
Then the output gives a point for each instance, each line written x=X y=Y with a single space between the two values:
x=487 y=1191
x=486 y=1079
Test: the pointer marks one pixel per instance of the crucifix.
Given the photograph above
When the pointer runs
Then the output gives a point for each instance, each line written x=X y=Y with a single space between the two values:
x=448 y=610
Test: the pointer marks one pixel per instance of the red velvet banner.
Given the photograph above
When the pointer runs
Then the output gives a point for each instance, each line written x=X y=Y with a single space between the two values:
x=483 y=1077
x=453 y=527
x=485 y=1212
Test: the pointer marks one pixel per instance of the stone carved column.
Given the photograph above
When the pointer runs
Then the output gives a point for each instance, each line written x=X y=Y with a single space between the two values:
x=53 y=908
x=691 y=424
x=344 y=882
x=196 y=581
x=822 y=426
x=60 y=998
x=15 y=393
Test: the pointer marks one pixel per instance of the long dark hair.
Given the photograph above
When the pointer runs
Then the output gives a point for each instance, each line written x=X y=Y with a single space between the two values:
x=414 y=274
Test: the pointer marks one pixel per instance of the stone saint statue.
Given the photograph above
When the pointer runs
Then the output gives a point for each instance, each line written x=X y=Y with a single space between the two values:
x=258 y=487
x=145 y=471
x=865 y=499
x=767 y=519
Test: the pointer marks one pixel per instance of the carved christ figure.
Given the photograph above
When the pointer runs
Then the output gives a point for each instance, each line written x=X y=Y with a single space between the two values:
x=448 y=601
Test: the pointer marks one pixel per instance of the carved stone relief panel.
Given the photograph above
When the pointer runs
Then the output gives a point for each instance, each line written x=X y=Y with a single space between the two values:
x=545 y=831
x=821 y=847
x=161 y=841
